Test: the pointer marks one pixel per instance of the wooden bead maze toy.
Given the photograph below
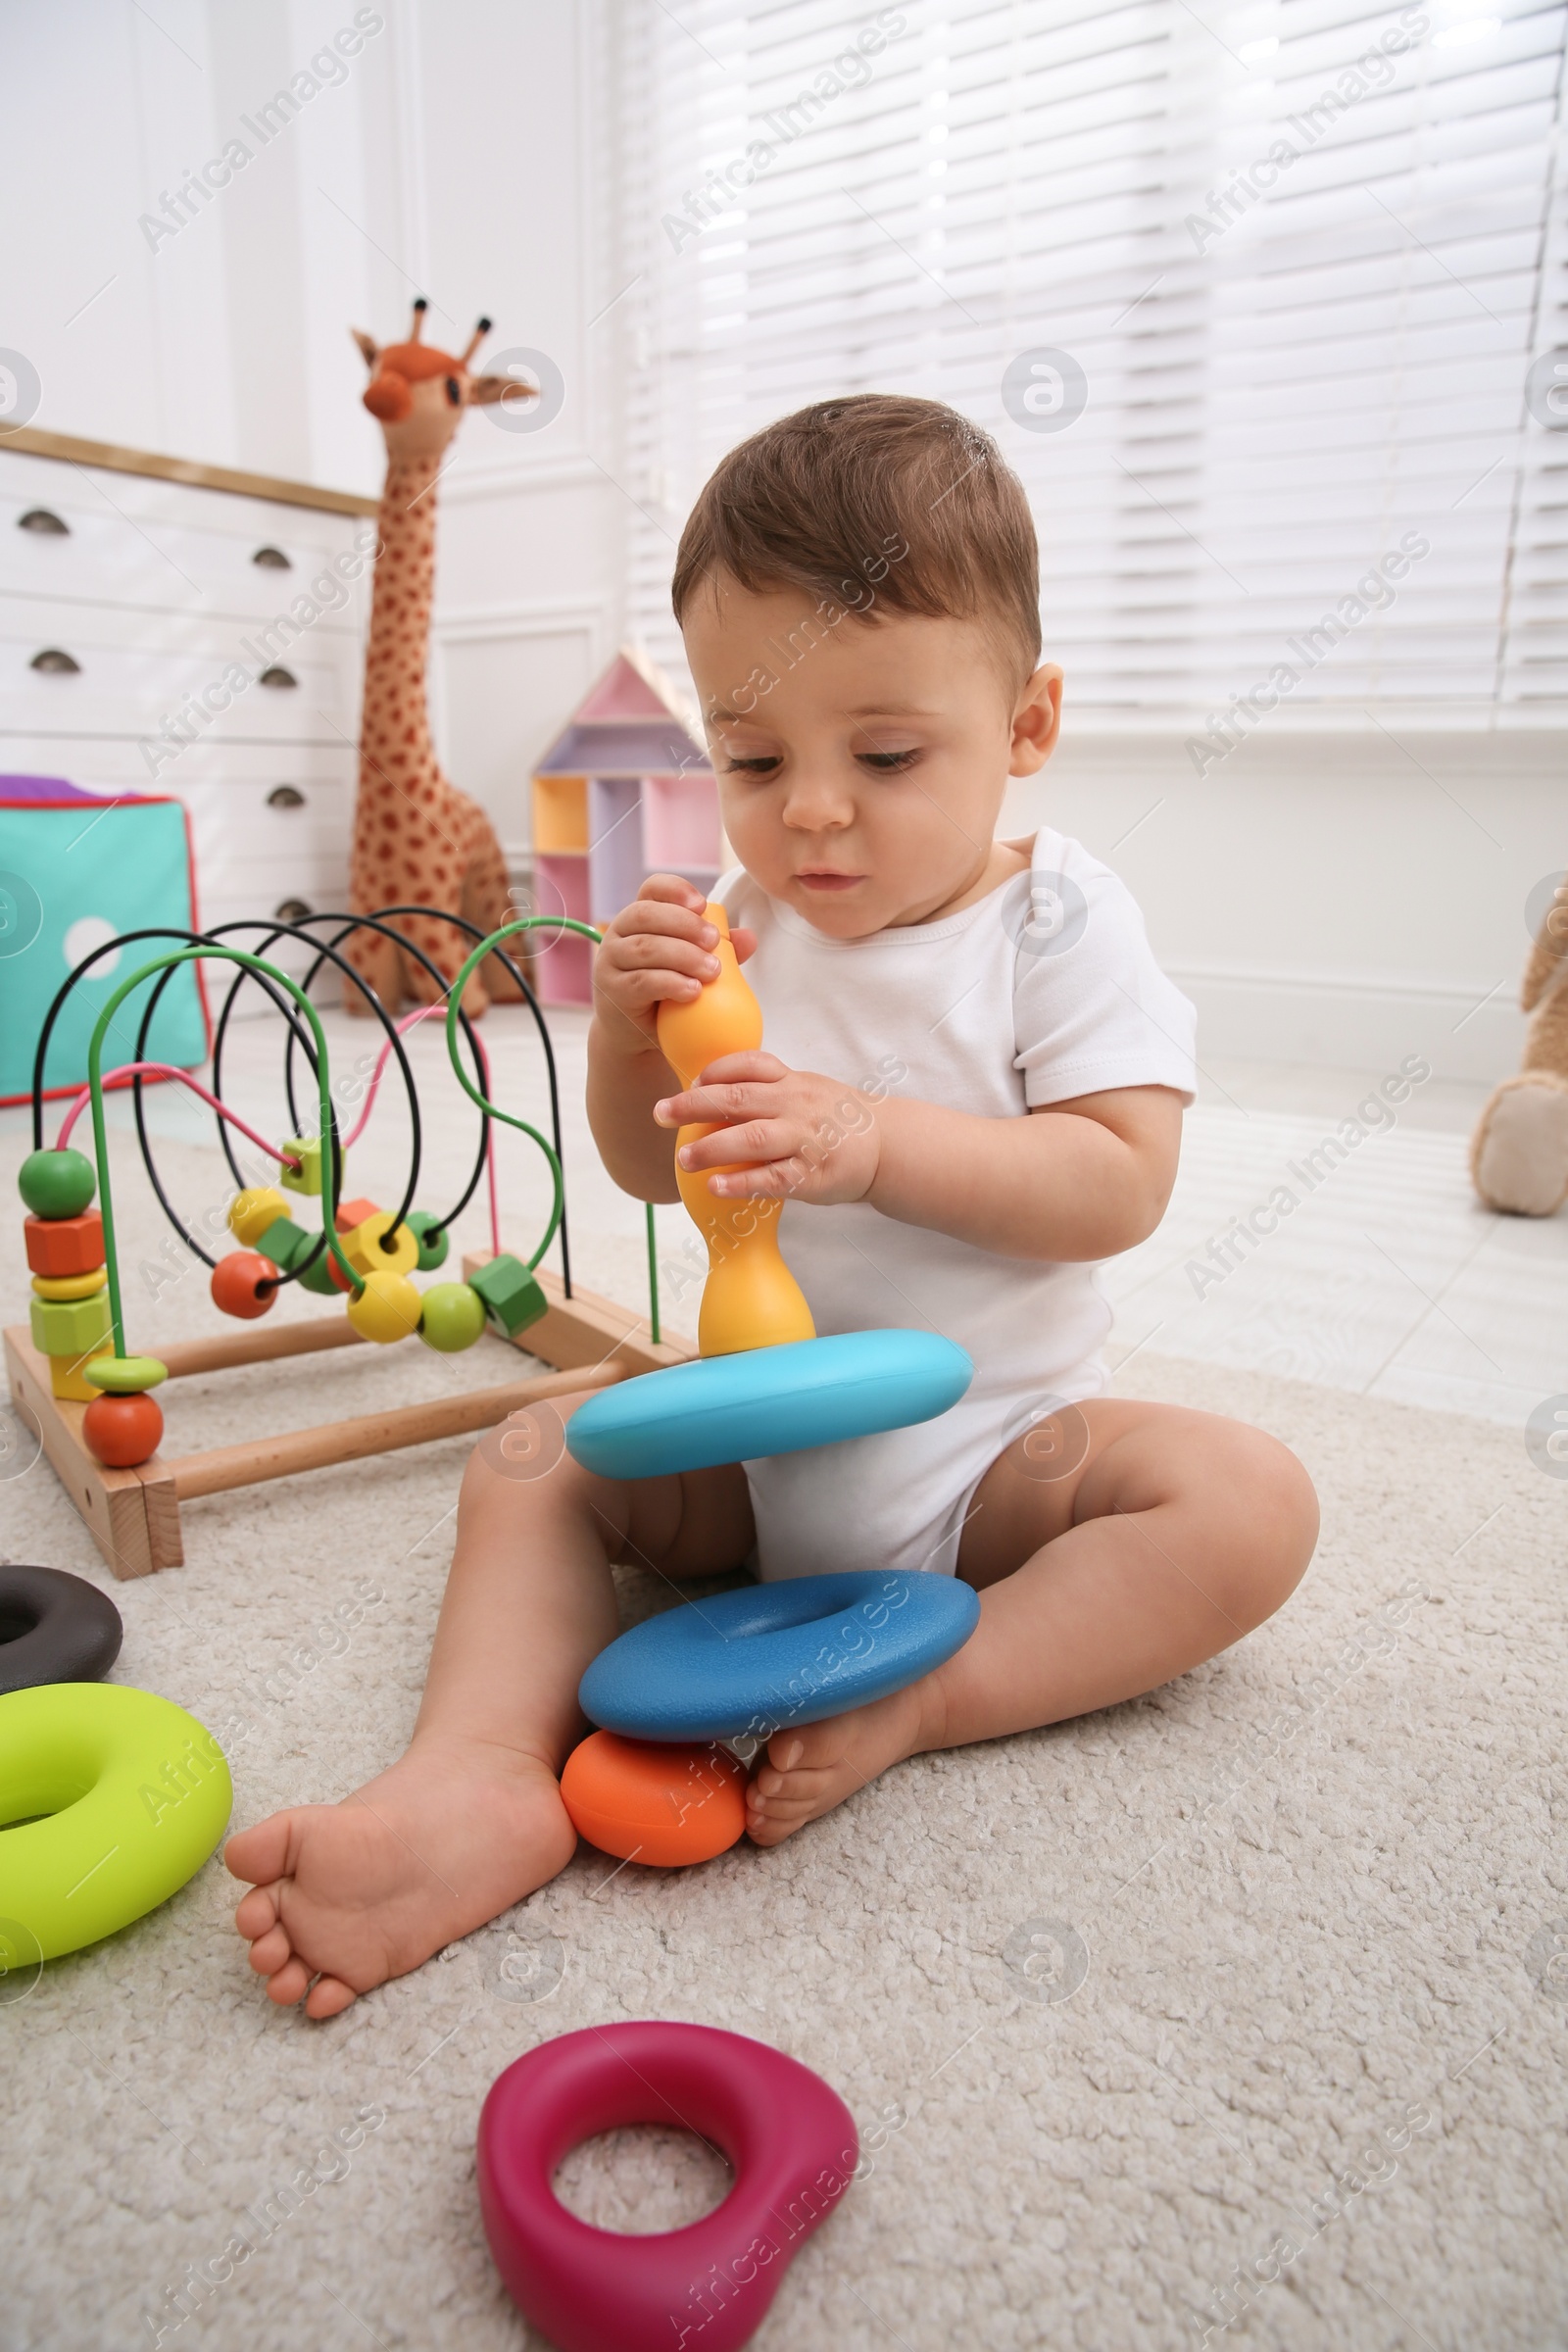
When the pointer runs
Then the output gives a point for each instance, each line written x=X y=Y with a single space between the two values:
x=90 y=1396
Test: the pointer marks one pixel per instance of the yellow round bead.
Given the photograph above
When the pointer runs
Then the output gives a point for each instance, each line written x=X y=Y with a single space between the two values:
x=70 y=1286
x=386 y=1309
x=251 y=1214
x=376 y=1246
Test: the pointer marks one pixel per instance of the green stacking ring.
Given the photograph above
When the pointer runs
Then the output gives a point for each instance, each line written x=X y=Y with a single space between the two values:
x=135 y=1793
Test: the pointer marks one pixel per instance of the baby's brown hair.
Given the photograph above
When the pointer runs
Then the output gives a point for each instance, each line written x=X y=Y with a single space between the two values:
x=875 y=488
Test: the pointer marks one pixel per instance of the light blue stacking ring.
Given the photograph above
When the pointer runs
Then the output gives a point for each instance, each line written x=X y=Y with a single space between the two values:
x=750 y=1663
x=735 y=1408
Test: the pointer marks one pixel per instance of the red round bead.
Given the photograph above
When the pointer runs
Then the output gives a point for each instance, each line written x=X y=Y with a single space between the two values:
x=123 y=1430
x=244 y=1284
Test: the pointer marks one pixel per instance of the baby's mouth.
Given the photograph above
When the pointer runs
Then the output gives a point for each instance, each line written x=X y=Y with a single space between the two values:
x=825 y=878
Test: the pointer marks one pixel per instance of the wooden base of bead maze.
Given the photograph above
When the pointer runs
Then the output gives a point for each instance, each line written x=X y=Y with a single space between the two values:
x=133 y=1516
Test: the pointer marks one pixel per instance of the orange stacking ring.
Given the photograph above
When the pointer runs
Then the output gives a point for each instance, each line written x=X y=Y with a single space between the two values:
x=650 y=1801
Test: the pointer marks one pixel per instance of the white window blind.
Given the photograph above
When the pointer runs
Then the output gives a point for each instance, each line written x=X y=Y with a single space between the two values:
x=1302 y=252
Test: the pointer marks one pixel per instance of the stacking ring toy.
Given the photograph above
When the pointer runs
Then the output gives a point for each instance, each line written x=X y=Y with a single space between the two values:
x=137 y=1795
x=745 y=1664
x=765 y=1401
x=790 y=2138
x=54 y=1628
x=662 y=1805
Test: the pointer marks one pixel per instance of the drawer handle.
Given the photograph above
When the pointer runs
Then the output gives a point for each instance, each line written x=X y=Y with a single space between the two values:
x=56 y=663
x=271 y=558
x=47 y=526
x=285 y=796
x=292 y=910
x=277 y=675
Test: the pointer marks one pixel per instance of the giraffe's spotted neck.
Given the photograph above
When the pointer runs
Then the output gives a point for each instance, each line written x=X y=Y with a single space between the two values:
x=397 y=757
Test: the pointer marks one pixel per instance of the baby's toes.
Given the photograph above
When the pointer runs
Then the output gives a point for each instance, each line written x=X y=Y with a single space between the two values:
x=328 y=1996
x=269 y=1952
x=289 y=1984
x=256 y=1912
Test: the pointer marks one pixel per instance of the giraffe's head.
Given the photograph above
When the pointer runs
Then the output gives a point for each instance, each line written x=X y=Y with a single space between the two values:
x=419 y=394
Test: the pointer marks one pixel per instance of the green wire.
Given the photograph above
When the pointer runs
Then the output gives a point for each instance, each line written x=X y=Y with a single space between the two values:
x=537 y=923
x=161 y=963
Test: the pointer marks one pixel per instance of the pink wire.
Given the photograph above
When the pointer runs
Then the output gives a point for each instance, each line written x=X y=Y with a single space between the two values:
x=164 y=1070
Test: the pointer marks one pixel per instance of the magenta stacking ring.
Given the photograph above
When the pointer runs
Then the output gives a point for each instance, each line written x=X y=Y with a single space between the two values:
x=791 y=2140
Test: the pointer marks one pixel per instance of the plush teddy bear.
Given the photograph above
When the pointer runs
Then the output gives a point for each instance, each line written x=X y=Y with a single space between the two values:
x=1519 y=1158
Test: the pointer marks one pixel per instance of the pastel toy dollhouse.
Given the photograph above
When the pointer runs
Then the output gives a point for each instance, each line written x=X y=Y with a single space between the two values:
x=625 y=790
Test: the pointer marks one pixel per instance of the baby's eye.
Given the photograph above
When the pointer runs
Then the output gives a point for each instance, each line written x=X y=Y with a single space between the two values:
x=887 y=764
x=764 y=765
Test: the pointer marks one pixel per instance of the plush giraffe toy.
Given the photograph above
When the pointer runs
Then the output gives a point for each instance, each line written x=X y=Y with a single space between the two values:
x=1519 y=1158
x=416 y=839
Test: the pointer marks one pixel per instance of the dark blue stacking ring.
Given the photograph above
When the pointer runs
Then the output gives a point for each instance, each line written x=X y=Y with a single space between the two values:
x=54 y=1628
x=746 y=1664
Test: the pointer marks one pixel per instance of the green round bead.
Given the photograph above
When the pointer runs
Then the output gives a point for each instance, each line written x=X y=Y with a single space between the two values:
x=317 y=1278
x=124 y=1375
x=57 y=1184
x=453 y=1319
x=433 y=1247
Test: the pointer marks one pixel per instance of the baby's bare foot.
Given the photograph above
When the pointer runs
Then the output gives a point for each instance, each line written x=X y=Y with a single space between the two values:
x=354 y=1893
x=810 y=1771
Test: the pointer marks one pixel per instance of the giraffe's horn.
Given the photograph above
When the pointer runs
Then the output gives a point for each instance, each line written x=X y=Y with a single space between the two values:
x=475 y=339
x=420 y=305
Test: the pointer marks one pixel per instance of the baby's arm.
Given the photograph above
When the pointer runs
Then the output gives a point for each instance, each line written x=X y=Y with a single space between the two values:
x=1078 y=1180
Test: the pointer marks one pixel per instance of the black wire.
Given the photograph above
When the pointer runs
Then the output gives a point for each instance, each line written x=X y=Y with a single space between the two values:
x=287 y=1007
x=458 y=923
x=297 y=1033
x=111 y=947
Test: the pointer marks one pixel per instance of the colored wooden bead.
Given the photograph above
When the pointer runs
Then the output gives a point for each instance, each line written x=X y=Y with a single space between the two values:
x=59 y=1245
x=511 y=1296
x=387 y=1308
x=354 y=1213
x=351 y=1215
x=653 y=1802
x=124 y=1375
x=307 y=1177
x=70 y=1286
x=57 y=1184
x=67 y=1380
x=73 y=1327
x=123 y=1430
x=453 y=1317
x=379 y=1246
x=433 y=1240
x=286 y=1243
x=321 y=1277
x=244 y=1284
x=251 y=1214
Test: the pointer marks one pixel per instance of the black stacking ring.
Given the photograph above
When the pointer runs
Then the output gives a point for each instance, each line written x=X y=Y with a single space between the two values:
x=54 y=1628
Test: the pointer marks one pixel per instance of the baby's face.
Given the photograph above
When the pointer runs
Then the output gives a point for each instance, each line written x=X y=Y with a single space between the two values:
x=861 y=763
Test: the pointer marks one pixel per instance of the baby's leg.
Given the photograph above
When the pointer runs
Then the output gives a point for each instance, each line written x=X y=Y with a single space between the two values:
x=1174 y=1534
x=469 y=1820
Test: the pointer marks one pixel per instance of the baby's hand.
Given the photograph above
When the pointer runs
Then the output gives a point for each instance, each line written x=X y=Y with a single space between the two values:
x=810 y=1137
x=659 y=948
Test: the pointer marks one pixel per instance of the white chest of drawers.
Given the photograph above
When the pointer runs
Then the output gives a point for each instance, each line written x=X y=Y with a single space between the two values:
x=139 y=604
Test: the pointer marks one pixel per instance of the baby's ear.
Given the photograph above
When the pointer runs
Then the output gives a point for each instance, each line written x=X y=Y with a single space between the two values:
x=743 y=942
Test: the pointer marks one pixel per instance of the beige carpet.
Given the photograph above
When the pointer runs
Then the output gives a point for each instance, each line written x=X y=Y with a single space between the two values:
x=1256 y=1977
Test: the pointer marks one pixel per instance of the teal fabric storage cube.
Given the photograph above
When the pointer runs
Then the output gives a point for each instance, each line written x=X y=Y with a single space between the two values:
x=76 y=871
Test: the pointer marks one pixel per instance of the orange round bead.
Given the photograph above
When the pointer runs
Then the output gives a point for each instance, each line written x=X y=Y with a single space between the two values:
x=121 y=1430
x=244 y=1284
x=647 y=1801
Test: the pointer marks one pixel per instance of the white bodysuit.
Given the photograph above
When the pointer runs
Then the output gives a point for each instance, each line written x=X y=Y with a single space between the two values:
x=1042 y=992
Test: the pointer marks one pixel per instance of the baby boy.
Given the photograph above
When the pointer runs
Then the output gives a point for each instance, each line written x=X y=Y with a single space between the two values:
x=858 y=589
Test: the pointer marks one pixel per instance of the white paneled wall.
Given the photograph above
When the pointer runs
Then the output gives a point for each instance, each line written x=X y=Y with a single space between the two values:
x=1335 y=896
